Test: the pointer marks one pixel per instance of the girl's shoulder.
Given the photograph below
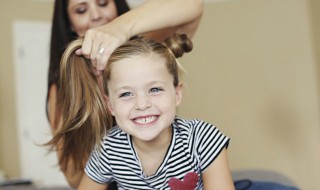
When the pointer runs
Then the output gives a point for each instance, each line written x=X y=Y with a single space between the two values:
x=192 y=124
x=115 y=133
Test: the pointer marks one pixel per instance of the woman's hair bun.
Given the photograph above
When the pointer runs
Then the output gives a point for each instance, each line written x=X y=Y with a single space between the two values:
x=179 y=44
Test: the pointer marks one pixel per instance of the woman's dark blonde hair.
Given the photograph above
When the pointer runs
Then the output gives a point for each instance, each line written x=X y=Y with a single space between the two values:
x=84 y=114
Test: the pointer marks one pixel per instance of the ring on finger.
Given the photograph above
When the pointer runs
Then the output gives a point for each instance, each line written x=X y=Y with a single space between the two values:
x=101 y=50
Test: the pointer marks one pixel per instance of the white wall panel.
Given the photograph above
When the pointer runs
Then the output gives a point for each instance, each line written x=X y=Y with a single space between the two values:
x=31 y=59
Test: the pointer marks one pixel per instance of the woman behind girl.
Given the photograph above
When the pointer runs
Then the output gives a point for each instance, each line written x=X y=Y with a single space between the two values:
x=149 y=147
x=105 y=25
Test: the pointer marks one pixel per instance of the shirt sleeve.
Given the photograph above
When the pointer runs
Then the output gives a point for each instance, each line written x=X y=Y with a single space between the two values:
x=209 y=143
x=98 y=167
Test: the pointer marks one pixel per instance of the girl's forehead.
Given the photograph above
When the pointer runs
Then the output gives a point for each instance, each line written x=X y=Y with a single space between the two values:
x=140 y=59
x=139 y=67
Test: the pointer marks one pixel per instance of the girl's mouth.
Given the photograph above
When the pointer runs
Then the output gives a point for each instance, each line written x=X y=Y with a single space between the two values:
x=145 y=120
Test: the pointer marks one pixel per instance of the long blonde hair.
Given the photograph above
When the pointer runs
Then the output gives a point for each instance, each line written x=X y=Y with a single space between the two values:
x=84 y=114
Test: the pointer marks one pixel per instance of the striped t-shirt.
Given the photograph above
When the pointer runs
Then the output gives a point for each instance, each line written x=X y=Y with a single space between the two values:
x=194 y=146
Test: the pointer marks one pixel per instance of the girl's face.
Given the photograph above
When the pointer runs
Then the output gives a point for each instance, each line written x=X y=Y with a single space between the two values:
x=142 y=97
x=86 y=14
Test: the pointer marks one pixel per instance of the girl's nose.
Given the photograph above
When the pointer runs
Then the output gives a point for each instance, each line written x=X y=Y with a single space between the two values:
x=142 y=102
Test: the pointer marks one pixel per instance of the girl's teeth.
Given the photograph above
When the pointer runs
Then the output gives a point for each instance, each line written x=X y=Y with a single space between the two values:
x=145 y=120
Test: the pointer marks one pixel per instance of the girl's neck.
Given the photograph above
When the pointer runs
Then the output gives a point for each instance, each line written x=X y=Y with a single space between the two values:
x=152 y=153
x=160 y=142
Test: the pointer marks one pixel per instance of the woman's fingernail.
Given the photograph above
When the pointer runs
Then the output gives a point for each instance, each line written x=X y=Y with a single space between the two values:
x=98 y=72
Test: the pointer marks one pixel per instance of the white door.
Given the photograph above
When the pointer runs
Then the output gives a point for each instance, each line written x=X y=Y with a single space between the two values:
x=31 y=59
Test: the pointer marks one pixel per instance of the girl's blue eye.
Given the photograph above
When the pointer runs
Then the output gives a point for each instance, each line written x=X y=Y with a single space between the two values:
x=125 y=94
x=153 y=90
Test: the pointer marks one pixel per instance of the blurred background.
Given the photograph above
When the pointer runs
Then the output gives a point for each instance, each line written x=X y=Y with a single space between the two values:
x=254 y=72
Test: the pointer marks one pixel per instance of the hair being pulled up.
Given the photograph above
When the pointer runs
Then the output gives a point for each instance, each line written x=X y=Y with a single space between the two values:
x=84 y=114
x=173 y=47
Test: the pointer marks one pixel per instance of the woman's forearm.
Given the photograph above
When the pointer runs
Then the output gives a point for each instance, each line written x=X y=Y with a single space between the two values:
x=52 y=106
x=73 y=176
x=71 y=172
x=153 y=15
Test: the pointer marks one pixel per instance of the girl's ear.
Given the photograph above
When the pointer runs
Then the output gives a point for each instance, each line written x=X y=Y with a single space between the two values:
x=106 y=99
x=179 y=90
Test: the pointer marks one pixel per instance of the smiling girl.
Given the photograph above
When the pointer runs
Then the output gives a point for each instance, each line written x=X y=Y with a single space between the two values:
x=149 y=147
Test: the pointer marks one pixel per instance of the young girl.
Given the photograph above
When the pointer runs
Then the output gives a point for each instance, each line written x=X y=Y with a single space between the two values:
x=149 y=147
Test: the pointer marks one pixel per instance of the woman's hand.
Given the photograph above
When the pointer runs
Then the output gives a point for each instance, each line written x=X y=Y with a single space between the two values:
x=100 y=42
x=157 y=18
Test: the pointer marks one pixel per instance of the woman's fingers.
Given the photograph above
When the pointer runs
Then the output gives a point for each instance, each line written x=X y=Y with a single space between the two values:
x=87 y=44
x=103 y=57
x=97 y=72
x=99 y=43
x=79 y=52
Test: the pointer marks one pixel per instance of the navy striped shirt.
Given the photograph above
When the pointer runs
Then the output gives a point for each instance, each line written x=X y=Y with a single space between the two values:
x=194 y=146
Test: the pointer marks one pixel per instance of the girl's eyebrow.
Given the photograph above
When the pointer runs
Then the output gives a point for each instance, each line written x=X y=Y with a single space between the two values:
x=122 y=88
x=126 y=87
x=156 y=83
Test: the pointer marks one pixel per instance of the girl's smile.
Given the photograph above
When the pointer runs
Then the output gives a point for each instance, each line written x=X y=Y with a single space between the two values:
x=146 y=120
x=142 y=97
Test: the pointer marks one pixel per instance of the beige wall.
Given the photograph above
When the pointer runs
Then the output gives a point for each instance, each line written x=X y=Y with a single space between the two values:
x=9 y=11
x=315 y=15
x=253 y=72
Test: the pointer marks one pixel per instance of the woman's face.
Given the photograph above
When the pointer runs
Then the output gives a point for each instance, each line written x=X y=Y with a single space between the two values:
x=86 y=14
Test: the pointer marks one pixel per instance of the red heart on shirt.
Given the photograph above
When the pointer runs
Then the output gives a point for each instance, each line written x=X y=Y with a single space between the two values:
x=189 y=182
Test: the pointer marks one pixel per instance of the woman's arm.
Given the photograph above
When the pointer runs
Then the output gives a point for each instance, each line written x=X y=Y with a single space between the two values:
x=87 y=183
x=163 y=17
x=52 y=105
x=217 y=175
x=155 y=15
x=72 y=174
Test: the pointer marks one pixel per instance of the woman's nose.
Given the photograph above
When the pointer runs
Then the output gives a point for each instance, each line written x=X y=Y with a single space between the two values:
x=95 y=13
x=142 y=102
